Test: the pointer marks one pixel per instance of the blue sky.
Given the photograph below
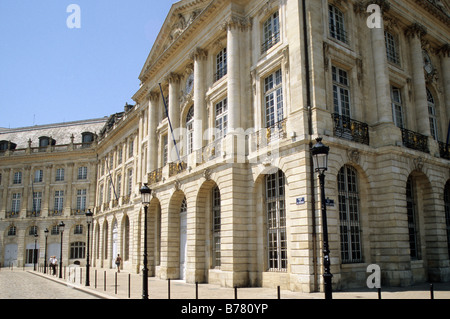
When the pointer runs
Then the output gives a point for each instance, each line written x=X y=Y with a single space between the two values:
x=50 y=73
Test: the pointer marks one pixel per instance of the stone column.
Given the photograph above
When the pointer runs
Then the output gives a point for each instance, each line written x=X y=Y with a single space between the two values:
x=174 y=114
x=199 y=56
x=415 y=32
x=152 y=148
x=233 y=27
x=445 y=62
x=381 y=75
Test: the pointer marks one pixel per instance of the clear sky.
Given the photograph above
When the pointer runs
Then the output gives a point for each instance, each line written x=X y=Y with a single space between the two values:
x=50 y=73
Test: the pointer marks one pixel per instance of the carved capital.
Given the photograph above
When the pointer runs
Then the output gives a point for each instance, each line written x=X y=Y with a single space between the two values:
x=199 y=54
x=173 y=78
x=235 y=22
x=416 y=29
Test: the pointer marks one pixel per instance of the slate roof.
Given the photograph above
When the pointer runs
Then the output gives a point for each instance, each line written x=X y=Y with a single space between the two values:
x=61 y=132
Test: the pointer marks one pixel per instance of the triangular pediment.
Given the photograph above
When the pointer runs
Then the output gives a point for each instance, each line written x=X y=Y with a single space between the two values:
x=179 y=18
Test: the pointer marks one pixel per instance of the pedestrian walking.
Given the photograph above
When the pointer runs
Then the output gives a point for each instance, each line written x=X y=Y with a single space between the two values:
x=118 y=261
x=53 y=263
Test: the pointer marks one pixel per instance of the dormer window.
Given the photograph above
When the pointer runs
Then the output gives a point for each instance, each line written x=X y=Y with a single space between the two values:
x=7 y=145
x=45 y=141
x=87 y=138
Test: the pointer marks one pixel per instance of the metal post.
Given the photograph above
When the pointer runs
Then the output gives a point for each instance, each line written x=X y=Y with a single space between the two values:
x=431 y=291
x=196 y=290
x=87 y=283
x=129 y=285
x=115 y=284
x=168 y=288
x=379 y=293
x=145 y=269
x=326 y=251
x=61 y=256
x=278 y=292
x=235 y=292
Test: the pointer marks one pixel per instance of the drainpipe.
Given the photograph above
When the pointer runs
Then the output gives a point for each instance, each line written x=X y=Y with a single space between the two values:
x=310 y=132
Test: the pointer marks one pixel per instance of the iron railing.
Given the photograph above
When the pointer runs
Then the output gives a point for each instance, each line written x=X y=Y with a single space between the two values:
x=415 y=141
x=350 y=129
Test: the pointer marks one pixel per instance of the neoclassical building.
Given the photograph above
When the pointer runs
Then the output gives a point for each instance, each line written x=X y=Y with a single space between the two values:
x=47 y=176
x=233 y=95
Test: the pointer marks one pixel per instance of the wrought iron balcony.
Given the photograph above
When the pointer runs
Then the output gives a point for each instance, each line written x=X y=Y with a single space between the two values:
x=177 y=168
x=35 y=213
x=12 y=214
x=155 y=176
x=269 y=134
x=415 y=141
x=350 y=129
x=444 y=150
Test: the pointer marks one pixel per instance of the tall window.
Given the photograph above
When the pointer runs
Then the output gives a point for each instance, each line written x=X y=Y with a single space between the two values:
x=77 y=250
x=165 y=150
x=82 y=172
x=119 y=185
x=397 y=109
x=341 y=91
x=391 y=48
x=130 y=181
x=221 y=119
x=190 y=130
x=131 y=148
x=271 y=32
x=349 y=219
x=273 y=96
x=432 y=115
x=216 y=226
x=276 y=222
x=15 y=207
x=221 y=64
x=59 y=201
x=336 y=24
x=447 y=213
x=413 y=229
x=37 y=201
x=59 y=175
x=17 y=178
x=38 y=176
x=81 y=200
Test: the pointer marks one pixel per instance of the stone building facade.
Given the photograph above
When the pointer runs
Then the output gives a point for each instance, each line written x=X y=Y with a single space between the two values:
x=232 y=97
x=47 y=175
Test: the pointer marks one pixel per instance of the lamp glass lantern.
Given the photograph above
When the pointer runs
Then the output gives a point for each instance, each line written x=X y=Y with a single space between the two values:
x=89 y=216
x=145 y=194
x=61 y=226
x=46 y=231
x=320 y=156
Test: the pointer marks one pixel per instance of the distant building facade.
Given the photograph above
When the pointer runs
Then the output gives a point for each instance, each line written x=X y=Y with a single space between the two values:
x=47 y=175
x=232 y=97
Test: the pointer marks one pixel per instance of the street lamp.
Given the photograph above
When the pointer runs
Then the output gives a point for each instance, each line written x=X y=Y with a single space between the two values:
x=45 y=254
x=320 y=155
x=145 y=197
x=61 y=229
x=35 y=255
x=89 y=215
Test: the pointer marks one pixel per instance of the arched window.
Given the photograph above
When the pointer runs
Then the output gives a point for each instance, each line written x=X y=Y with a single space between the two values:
x=276 y=222
x=349 y=216
x=126 y=239
x=413 y=228
x=447 y=213
x=216 y=227
x=190 y=130
x=432 y=115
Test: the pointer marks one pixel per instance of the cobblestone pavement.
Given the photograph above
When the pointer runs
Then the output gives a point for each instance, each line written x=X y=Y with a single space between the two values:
x=20 y=284
x=111 y=285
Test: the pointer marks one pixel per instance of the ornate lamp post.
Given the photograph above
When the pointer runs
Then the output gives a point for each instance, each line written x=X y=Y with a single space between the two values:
x=89 y=215
x=45 y=254
x=61 y=229
x=145 y=196
x=320 y=156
